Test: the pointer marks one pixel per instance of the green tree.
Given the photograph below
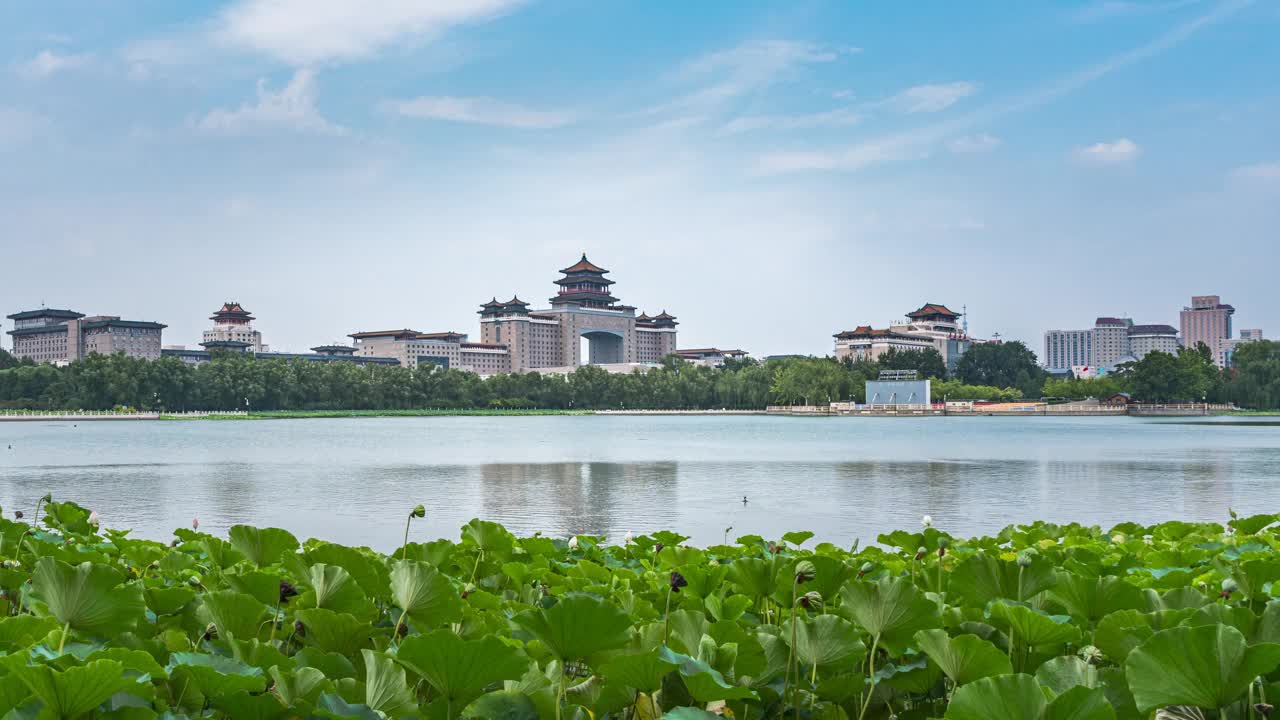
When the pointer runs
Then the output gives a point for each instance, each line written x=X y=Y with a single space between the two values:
x=927 y=362
x=1003 y=364
x=1254 y=379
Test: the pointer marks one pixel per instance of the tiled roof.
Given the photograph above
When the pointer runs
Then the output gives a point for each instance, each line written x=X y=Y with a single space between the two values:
x=933 y=309
x=383 y=333
x=584 y=265
x=1153 y=330
x=46 y=312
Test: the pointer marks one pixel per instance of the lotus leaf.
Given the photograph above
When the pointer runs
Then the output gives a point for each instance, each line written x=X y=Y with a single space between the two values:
x=963 y=658
x=578 y=626
x=74 y=691
x=262 y=546
x=1209 y=666
x=825 y=640
x=1032 y=627
x=425 y=595
x=501 y=705
x=891 y=610
x=461 y=669
x=386 y=691
x=89 y=598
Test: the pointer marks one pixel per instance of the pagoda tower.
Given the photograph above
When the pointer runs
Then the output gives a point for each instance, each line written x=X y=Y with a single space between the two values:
x=233 y=324
x=584 y=284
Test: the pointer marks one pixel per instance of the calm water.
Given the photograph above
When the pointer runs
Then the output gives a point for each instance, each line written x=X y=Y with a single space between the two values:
x=354 y=480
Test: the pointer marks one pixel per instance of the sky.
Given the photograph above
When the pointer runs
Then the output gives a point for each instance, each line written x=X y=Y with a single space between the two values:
x=770 y=173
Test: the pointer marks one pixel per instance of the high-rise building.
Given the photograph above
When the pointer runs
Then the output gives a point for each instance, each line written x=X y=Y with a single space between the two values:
x=1144 y=339
x=62 y=336
x=1067 y=349
x=931 y=326
x=1251 y=335
x=1111 y=341
x=1208 y=320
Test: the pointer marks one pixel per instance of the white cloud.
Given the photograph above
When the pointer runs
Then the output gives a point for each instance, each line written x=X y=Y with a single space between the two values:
x=858 y=157
x=1110 y=9
x=47 y=63
x=293 y=108
x=481 y=111
x=931 y=98
x=840 y=117
x=304 y=32
x=1120 y=152
x=973 y=144
x=1269 y=172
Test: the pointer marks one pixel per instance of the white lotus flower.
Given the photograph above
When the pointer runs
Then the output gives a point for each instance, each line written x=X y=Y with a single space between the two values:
x=926 y=522
x=573 y=543
x=93 y=518
x=626 y=539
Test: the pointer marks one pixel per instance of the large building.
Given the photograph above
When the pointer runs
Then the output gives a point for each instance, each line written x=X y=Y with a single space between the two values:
x=516 y=338
x=232 y=323
x=932 y=326
x=63 y=336
x=1110 y=342
x=1145 y=339
x=1207 y=320
x=1065 y=350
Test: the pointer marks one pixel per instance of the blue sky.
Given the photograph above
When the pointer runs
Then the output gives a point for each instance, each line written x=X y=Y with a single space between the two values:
x=770 y=173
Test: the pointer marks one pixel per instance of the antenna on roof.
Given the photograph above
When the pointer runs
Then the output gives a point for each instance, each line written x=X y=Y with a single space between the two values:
x=964 y=311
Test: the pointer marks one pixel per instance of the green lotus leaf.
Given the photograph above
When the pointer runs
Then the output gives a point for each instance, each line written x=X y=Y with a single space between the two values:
x=302 y=685
x=704 y=682
x=1209 y=666
x=89 y=598
x=22 y=631
x=368 y=570
x=461 y=669
x=138 y=661
x=262 y=546
x=1253 y=524
x=198 y=678
x=727 y=608
x=578 y=626
x=424 y=594
x=264 y=586
x=1032 y=627
x=797 y=537
x=963 y=658
x=891 y=610
x=234 y=613
x=981 y=578
x=1062 y=673
x=168 y=600
x=333 y=588
x=385 y=689
x=76 y=690
x=1090 y=598
x=832 y=574
x=690 y=713
x=825 y=640
x=1003 y=697
x=755 y=577
x=1120 y=632
x=334 y=706
x=642 y=671
x=501 y=705
x=1080 y=703
x=13 y=693
x=333 y=665
x=490 y=537
x=340 y=633
x=243 y=705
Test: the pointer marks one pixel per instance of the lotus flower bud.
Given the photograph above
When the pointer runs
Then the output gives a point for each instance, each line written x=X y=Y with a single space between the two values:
x=626 y=539
x=677 y=581
x=401 y=631
x=866 y=568
x=1024 y=559
x=468 y=589
x=299 y=629
x=1117 y=538
x=286 y=591
x=926 y=522
x=811 y=600
x=419 y=511
x=194 y=581
x=1264 y=709
x=657 y=548
x=210 y=632
x=714 y=563
x=195 y=523
x=573 y=543
x=48 y=497
x=943 y=543
x=805 y=571
x=1091 y=654
x=921 y=552
x=93 y=518
x=1229 y=586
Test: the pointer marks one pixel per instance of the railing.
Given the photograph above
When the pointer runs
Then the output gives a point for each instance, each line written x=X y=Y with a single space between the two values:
x=111 y=414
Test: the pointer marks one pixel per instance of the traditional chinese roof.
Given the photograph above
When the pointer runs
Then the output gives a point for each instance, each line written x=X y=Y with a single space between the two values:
x=333 y=349
x=46 y=312
x=1153 y=330
x=702 y=352
x=664 y=316
x=933 y=310
x=642 y=317
x=117 y=322
x=384 y=333
x=231 y=310
x=867 y=331
x=224 y=344
x=449 y=336
x=584 y=266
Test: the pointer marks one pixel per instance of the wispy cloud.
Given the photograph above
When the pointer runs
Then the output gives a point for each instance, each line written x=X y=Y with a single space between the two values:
x=1118 y=152
x=481 y=111
x=18 y=127
x=973 y=144
x=1109 y=9
x=917 y=143
x=48 y=62
x=840 y=117
x=305 y=32
x=1267 y=171
x=931 y=98
x=292 y=108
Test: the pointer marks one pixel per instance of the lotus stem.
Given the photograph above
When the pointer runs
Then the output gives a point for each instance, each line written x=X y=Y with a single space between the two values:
x=871 y=673
x=65 y=629
x=666 y=617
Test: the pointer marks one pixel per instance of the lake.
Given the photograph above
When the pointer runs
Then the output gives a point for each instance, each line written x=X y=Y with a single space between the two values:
x=354 y=480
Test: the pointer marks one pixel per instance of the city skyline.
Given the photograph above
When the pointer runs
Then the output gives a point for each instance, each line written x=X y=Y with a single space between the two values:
x=772 y=174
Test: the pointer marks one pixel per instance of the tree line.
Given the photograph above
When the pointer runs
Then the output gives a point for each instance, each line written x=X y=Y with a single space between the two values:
x=996 y=372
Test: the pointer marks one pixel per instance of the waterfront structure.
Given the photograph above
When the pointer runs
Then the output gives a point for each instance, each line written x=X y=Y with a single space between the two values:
x=898 y=387
x=1208 y=320
x=931 y=326
x=1067 y=349
x=320 y=353
x=1145 y=339
x=62 y=336
x=710 y=357
x=516 y=338
x=233 y=323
